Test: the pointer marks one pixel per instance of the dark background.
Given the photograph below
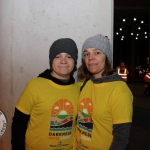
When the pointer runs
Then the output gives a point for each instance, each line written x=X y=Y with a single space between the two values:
x=131 y=51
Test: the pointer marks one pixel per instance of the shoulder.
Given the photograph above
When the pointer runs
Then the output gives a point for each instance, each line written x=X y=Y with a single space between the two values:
x=36 y=81
x=77 y=84
x=82 y=83
x=120 y=86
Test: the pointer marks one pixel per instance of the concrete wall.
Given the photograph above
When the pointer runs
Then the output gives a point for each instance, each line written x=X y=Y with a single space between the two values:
x=28 y=28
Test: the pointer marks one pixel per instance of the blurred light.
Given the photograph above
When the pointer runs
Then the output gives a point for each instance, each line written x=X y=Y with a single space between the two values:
x=122 y=37
x=142 y=21
x=124 y=20
x=145 y=32
x=137 y=34
x=139 y=28
x=134 y=19
x=117 y=33
x=136 y=38
x=131 y=33
x=120 y=29
x=146 y=37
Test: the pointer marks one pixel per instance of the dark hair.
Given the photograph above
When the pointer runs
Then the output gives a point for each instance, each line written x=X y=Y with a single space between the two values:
x=83 y=72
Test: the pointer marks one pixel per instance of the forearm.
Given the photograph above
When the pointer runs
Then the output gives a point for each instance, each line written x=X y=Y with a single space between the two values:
x=18 y=130
x=120 y=136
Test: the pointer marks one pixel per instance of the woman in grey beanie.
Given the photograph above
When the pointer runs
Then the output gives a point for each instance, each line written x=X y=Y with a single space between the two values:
x=105 y=102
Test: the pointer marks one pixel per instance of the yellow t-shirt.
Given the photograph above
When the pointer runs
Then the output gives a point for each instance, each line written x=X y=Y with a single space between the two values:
x=100 y=106
x=53 y=111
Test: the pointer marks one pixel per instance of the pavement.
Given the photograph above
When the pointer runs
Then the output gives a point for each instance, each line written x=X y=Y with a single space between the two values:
x=137 y=87
x=140 y=128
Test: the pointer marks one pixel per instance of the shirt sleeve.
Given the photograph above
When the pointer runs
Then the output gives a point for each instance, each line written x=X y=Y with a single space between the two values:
x=122 y=106
x=26 y=100
x=18 y=129
x=120 y=136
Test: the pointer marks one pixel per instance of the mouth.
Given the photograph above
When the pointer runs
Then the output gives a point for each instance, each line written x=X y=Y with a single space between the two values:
x=63 y=67
x=92 y=64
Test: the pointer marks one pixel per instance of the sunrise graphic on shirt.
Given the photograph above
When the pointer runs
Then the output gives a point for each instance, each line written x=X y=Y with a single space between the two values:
x=62 y=115
x=62 y=106
x=85 y=110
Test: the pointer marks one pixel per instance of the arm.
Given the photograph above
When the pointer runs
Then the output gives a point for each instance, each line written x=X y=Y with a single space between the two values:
x=127 y=72
x=18 y=129
x=120 y=136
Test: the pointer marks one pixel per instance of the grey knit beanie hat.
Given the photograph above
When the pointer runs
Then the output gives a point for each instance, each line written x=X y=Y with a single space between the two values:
x=63 y=45
x=100 y=42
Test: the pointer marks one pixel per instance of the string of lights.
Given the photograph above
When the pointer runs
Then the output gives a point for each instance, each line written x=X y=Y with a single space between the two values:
x=137 y=27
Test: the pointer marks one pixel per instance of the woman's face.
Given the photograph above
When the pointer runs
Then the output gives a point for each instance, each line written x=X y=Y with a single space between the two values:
x=95 y=61
x=62 y=66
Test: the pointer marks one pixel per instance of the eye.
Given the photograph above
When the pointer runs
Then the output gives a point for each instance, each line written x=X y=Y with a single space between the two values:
x=69 y=56
x=86 y=54
x=57 y=56
x=97 y=52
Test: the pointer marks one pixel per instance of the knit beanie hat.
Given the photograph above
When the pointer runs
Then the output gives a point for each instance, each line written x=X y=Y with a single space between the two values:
x=100 y=42
x=63 y=45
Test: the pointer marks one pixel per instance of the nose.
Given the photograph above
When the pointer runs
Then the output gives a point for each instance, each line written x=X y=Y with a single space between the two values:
x=63 y=60
x=91 y=57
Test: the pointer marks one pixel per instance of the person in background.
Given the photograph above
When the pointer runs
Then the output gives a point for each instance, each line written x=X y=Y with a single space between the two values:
x=147 y=82
x=45 y=114
x=122 y=71
x=105 y=101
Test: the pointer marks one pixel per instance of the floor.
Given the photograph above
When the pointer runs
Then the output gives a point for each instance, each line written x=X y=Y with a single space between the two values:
x=140 y=128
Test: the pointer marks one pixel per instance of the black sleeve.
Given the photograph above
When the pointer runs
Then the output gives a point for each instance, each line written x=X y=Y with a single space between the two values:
x=18 y=129
x=120 y=136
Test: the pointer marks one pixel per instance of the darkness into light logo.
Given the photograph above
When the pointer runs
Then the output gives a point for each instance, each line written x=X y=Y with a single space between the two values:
x=85 y=111
x=62 y=116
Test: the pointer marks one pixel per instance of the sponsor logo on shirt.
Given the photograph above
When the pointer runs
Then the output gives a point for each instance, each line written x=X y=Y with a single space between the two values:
x=3 y=124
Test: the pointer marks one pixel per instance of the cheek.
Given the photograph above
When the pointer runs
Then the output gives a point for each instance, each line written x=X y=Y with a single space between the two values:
x=86 y=61
x=71 y=62
x=102 y=59
x=54 y=63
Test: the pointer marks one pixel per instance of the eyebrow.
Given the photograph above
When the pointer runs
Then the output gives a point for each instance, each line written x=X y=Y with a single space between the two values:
x=93 y=49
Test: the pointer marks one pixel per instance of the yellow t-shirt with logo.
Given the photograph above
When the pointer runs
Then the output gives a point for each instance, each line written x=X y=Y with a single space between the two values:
x=100 y=106
x=53 y=111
